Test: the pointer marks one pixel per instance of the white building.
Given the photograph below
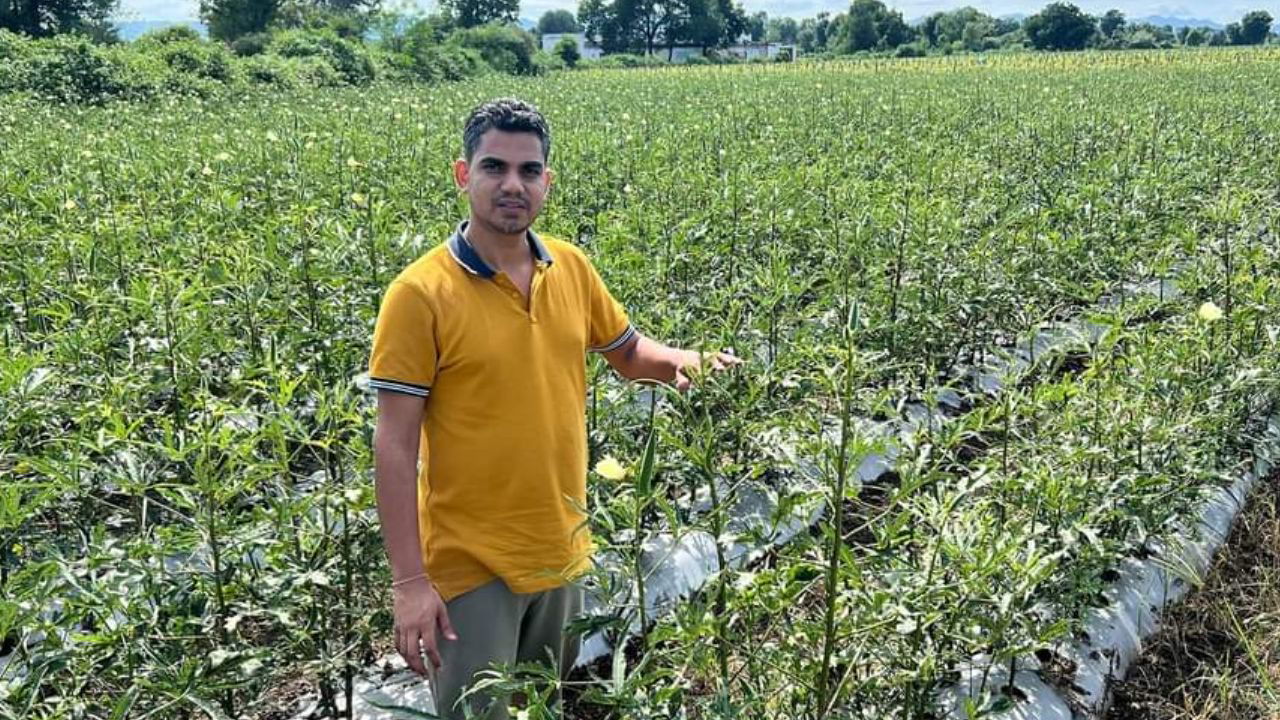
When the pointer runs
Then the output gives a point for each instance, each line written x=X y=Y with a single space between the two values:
x=586 y=50
x=751 y=50
x=744 y=49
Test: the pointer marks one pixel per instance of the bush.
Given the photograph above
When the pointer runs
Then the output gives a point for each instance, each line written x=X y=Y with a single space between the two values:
x=626 y=60
x=351 y=60
x=172 y=34
x=72 y=69
x=201 y=59
x=698 y=60
x=273 y=70
x=1143 y=40
x=15 y=67
x=446 y=63
x=910 y=50
x=426 y=32
x=15 y=76
x=545 y=62
x=505 y=48
x=15 y=57
x=316 y=18
x=567 y=51
x=251 y=44
x=178 y=83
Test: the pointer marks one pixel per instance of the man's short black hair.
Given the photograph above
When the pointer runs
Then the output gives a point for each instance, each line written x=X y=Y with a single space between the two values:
x=508 y=115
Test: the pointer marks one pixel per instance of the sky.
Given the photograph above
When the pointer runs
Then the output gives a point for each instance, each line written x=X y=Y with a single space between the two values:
x=1222 y=11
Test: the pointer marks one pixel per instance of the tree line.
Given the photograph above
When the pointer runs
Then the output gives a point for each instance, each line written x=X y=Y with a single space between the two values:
x=648 y=27
x=870 y=26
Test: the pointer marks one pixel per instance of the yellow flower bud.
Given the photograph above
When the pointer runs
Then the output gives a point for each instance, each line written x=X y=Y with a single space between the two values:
x=1209 y=312
x=610 y=469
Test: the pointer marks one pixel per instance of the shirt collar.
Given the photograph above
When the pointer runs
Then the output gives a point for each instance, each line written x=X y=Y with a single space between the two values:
x=465 y=253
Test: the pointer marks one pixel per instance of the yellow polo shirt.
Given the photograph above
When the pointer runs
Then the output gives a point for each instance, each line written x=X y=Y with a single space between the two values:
x=502 y=484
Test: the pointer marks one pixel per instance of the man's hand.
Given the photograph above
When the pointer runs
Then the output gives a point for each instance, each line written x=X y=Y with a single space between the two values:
x=692 y=362
x=643 y=359
x=419 y=610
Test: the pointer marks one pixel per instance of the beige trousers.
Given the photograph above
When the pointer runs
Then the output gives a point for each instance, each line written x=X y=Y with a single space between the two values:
x=495 y=625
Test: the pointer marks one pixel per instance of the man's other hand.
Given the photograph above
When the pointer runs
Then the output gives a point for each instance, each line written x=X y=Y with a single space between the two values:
x=419 y=611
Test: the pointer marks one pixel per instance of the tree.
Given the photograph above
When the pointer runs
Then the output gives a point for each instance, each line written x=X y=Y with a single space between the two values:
x=644 y=25
x=567 y=49
x=557 y=21
x=731 y=18
x=805 y=35
x=653 y=20
x=424 y=35
x=967 y=25
x=782 y=30
x=599 y=21
x=346 y=18
x=711 y=23
x=835 y=33
x=42 y=18
x=1255 y=27
x=1006 y=25
x=230 y=19
x=1142 y=39
x=505 y=48
x=1196 y=37
x=1234 y=34
x=870 y=25
x=470 y=13
x=859 y=31
x=892 y=30
x=929 y=28
x=1111 y=23
x=975 y=35
x=757 y=26
x=1060 y=26
x=345 y=6
x=678 y=21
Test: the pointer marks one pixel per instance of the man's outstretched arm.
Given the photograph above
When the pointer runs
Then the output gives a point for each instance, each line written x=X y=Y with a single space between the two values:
x=642 y=358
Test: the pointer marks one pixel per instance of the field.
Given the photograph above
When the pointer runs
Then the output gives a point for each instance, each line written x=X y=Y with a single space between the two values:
x=189 y=289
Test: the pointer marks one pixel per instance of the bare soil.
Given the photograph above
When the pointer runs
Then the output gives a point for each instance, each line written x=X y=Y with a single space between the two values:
x=1218 y=655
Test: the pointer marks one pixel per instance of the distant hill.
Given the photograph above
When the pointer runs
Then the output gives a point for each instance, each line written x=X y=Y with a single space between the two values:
x=1176 y=22
x=133 y=29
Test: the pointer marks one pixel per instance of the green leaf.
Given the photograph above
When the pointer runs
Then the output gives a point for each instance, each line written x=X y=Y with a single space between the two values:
x=210 y=709
x=125 y=703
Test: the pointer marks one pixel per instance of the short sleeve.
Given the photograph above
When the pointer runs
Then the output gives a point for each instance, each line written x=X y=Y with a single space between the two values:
x=608 y=327
x=404 y=346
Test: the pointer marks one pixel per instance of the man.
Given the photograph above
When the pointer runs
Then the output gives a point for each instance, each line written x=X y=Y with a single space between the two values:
x=479 y=363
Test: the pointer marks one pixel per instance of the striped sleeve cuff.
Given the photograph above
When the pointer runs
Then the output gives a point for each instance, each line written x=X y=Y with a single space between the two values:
x=398 y=386
x=617 y=343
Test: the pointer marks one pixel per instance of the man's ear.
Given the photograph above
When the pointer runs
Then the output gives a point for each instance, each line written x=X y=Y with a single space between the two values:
x=461 y=172
x=551 y=178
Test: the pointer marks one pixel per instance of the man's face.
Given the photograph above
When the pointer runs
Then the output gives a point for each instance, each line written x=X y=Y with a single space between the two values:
x=506 y=180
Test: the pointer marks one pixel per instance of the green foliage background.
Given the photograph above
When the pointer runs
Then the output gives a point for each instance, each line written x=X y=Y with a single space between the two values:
x=190 y=283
